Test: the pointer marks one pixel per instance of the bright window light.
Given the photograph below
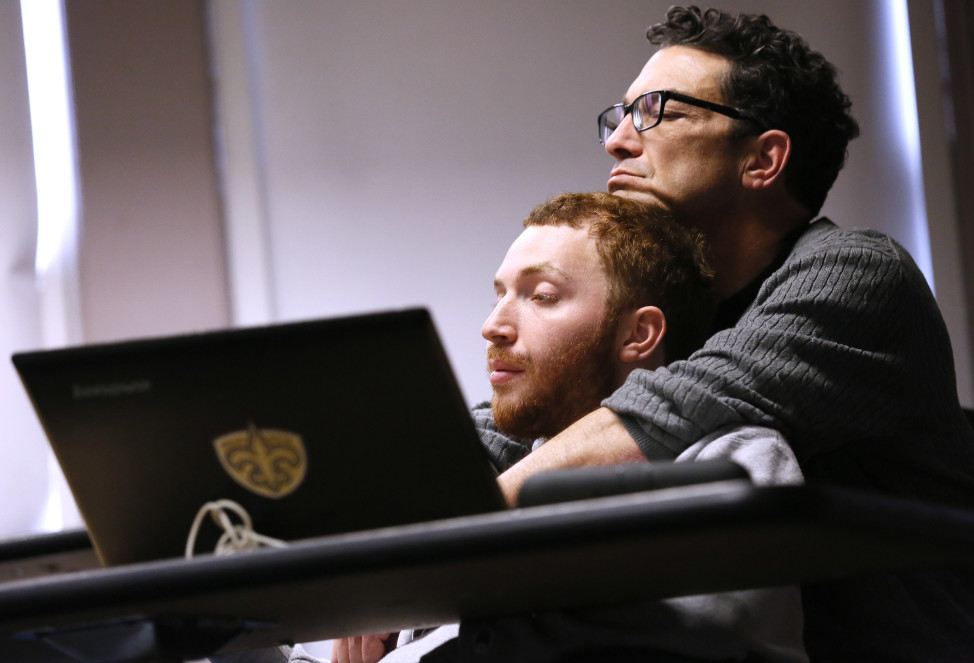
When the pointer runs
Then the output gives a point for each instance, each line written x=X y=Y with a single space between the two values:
x=52 y=128
x=900 y=53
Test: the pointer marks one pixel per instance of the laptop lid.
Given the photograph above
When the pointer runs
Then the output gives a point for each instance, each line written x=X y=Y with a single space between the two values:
x=315 y=428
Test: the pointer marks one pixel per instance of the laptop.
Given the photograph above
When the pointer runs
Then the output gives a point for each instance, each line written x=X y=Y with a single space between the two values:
x=315 y=428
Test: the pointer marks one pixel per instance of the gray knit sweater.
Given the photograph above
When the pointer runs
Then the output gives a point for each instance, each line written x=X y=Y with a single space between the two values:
x=845 y=352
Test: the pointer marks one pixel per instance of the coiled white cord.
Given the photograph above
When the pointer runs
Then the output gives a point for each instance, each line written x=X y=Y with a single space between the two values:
x=235 y=537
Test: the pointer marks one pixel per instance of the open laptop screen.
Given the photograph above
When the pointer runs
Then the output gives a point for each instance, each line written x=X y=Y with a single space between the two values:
x=314 y=427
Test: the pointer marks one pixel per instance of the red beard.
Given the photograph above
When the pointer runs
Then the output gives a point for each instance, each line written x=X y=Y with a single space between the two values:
x=561 y=388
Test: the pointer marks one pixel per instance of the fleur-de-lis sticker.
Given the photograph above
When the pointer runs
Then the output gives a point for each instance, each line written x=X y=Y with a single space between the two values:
x=270 y=463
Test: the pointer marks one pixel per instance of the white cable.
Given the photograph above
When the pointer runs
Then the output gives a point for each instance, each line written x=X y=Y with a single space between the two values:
x=235 y=537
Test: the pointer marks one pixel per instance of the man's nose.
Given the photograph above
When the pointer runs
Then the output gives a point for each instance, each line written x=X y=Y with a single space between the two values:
x=625 y=141
x=499 y=328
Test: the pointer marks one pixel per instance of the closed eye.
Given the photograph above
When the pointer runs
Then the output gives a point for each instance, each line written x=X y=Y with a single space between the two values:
x=499 y=292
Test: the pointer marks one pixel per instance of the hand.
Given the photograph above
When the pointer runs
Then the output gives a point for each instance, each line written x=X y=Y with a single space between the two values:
x=362 y=648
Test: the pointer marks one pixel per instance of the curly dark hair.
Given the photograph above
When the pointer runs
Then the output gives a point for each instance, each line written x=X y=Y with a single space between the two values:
x=649 y=259
x=780 y=83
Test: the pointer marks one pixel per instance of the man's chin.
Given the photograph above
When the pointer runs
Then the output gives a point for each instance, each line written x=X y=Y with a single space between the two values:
x=639 y=196
x=516 y=418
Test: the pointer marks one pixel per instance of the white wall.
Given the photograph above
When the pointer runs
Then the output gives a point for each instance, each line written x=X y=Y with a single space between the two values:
x=401 y=144
x=152 y=249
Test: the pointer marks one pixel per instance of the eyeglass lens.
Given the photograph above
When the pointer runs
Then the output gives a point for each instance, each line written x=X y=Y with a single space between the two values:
x=645 y=114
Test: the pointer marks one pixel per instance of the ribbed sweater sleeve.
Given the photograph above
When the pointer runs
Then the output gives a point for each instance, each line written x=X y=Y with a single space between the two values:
x=831 y=350
x=502 y=450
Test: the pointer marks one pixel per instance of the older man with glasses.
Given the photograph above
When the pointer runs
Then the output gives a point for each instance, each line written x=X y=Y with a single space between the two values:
x=826 y=334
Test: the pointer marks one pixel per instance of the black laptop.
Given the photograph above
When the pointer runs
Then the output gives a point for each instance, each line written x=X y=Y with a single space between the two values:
x=315 y=428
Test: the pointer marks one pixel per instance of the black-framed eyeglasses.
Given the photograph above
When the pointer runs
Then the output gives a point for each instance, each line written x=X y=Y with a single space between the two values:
x=647 y=111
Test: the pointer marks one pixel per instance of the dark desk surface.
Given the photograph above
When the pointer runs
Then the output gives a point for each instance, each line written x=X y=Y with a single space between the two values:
x=559 y=556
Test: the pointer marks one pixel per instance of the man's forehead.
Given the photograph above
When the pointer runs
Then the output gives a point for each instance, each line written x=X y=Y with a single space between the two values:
x=557 y=249
x=681 y=69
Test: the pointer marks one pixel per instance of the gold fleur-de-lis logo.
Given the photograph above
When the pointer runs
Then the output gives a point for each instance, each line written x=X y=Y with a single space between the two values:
x=271 y=463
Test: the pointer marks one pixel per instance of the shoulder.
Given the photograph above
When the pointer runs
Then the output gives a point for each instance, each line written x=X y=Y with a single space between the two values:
x=483 y=417
x=834 y=264
x=503 y=451
x=825 y=237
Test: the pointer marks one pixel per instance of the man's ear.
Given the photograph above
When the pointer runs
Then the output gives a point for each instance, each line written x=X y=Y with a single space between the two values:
x=642 y=336
x=766 y=160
